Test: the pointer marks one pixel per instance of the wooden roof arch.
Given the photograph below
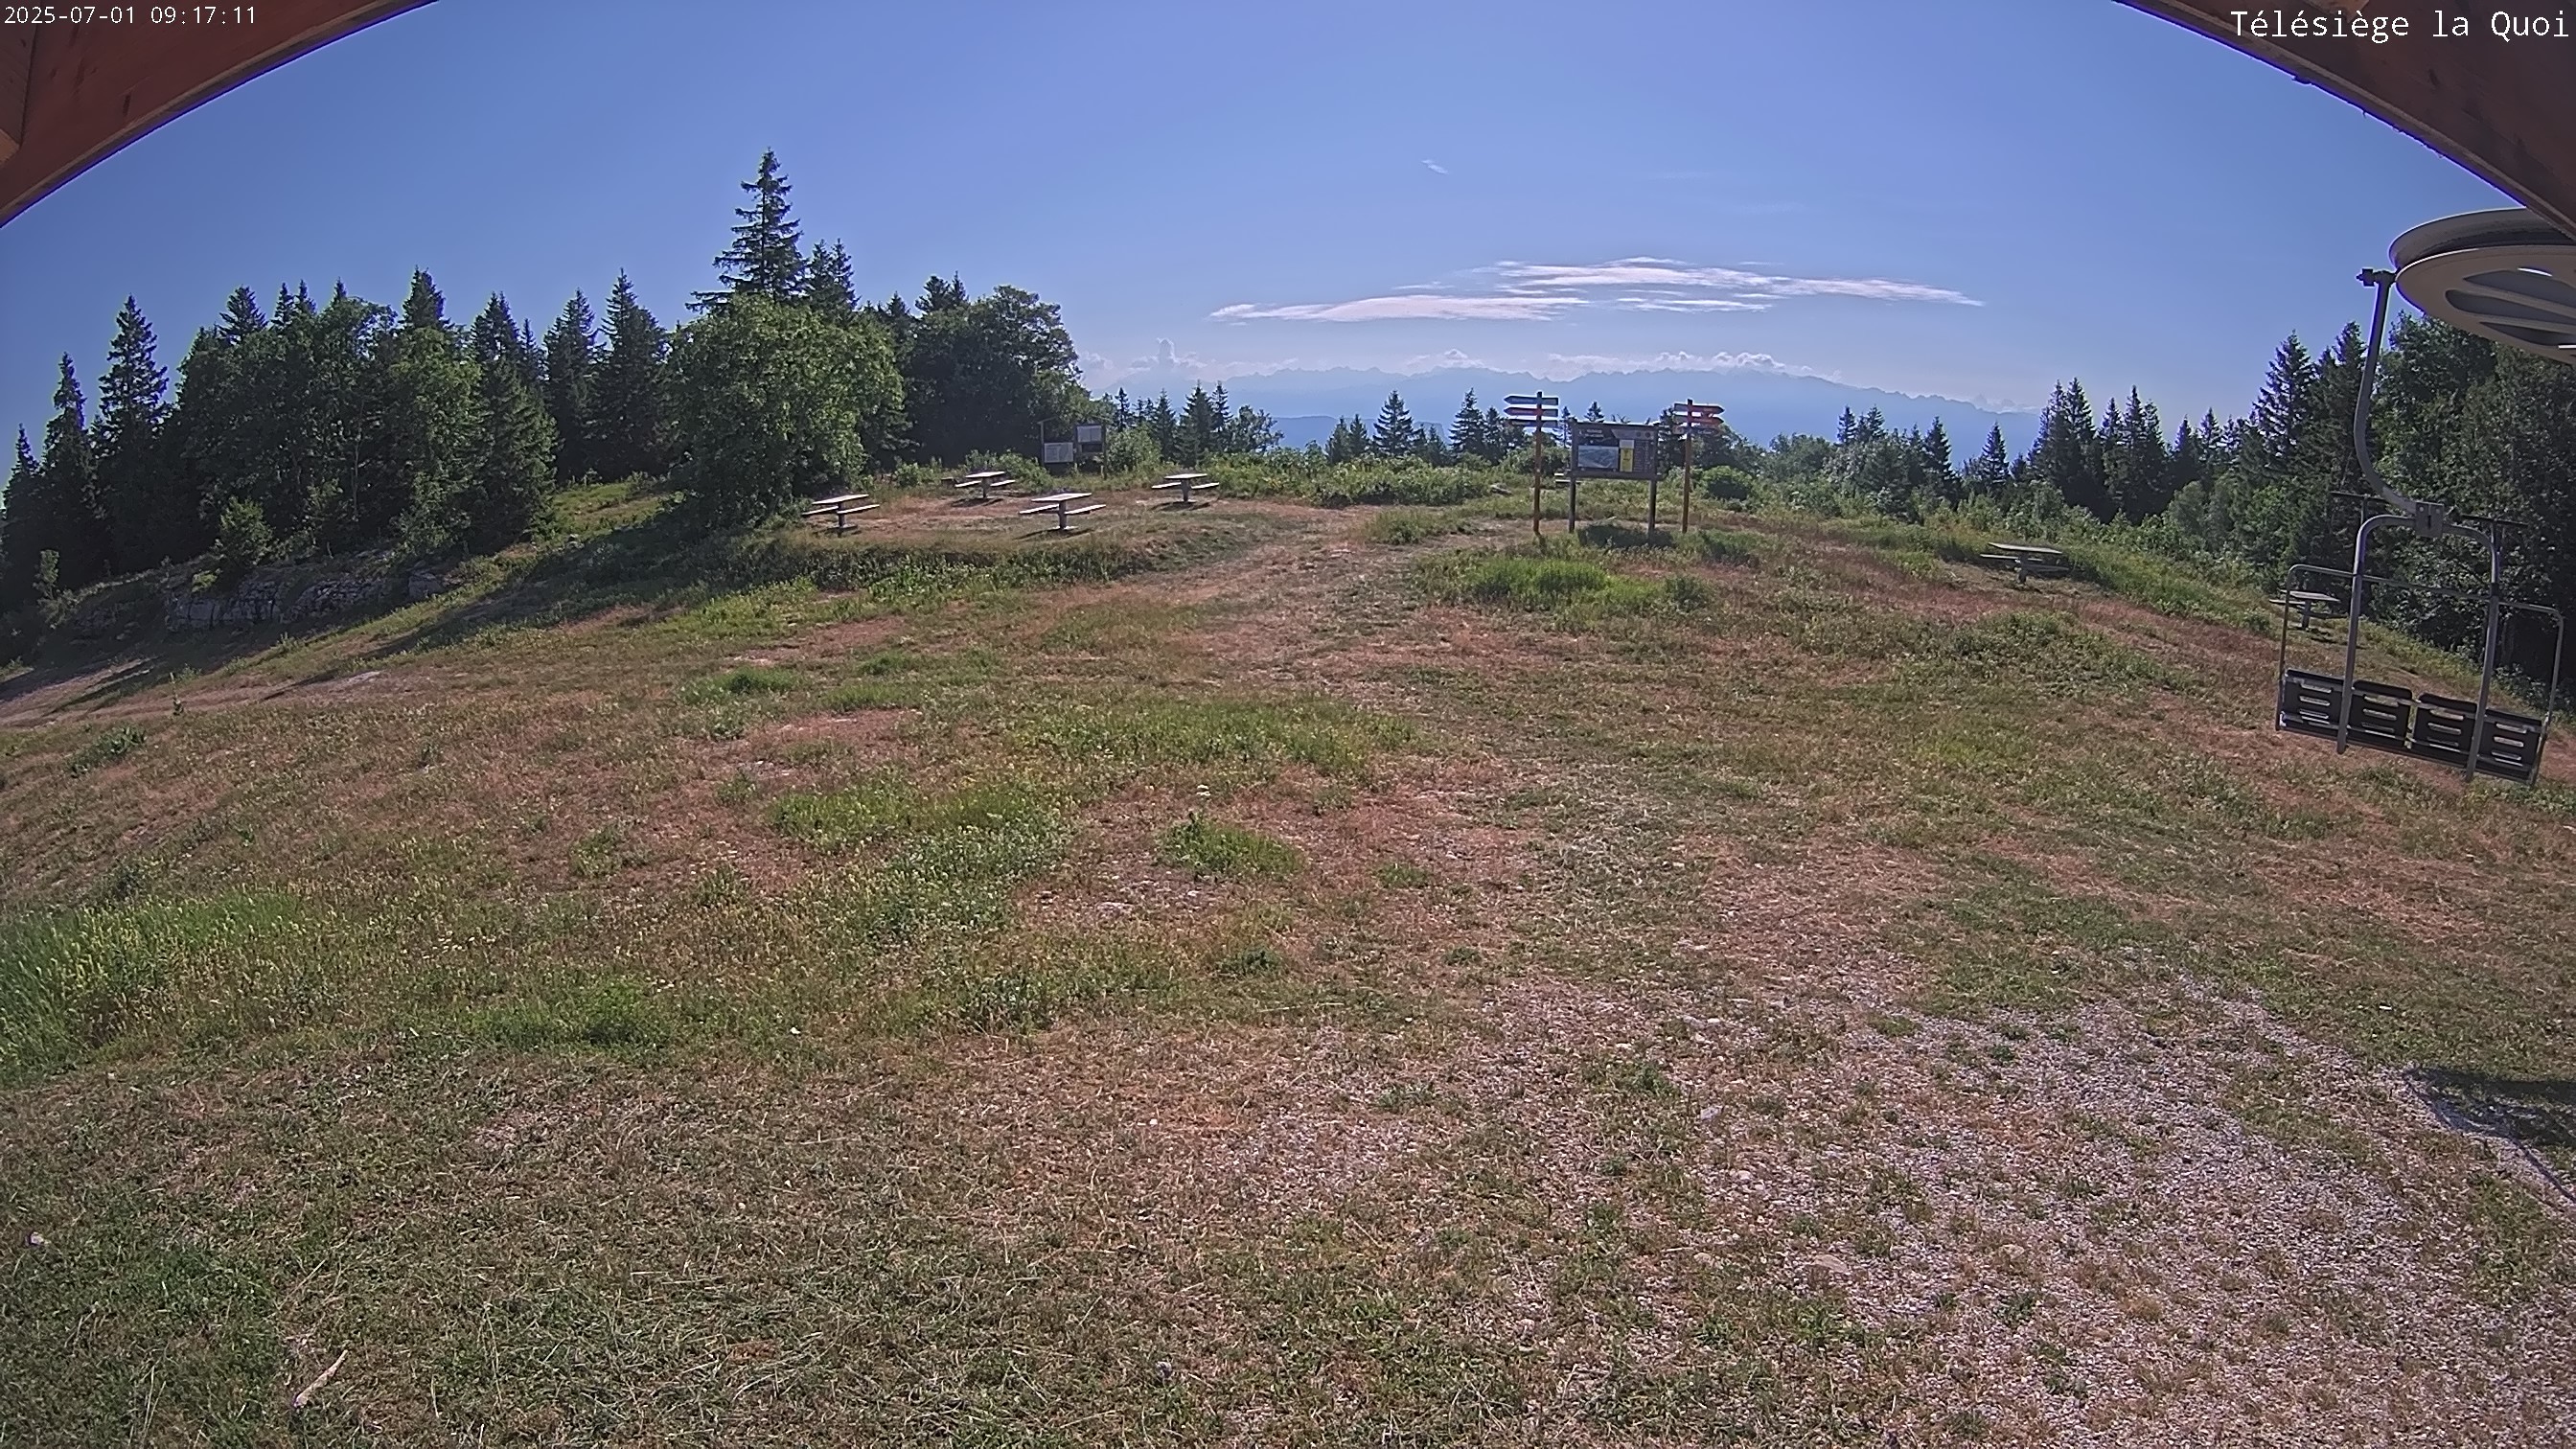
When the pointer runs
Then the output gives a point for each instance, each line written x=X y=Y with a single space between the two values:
x=72 y=94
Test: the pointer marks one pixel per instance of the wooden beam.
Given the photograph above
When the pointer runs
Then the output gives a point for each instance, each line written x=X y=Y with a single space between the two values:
x=17 y=62
x=86 y=90
x=2504 y=109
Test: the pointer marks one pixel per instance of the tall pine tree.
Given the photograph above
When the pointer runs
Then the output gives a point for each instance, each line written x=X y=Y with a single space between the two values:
x=132 y=405
x=1392 y=437
x=572 y=362
x=504 y=492
x=630 y=431
x=1467 y=429
x=828 y=289
x=74 y=526
x=767 y=257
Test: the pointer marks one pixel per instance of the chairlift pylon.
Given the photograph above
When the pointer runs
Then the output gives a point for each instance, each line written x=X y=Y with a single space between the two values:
x=2504 y=275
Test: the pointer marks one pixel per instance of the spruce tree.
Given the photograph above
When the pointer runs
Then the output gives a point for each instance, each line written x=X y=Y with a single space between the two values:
x=828 y=289
x=1467 y=429
x=433 y=428
x=351 y=497
x=1164 y=425
x=212 y=426
x=1991 y=471
x=132 y=405
x=504 y=491
x=1200 y=428
x=493 y=341
x=74 y=526
x=630 y=433
x=767 y=258
x=1392 y=437
x=1938 y=481
x=572 y=362
x=18 y=530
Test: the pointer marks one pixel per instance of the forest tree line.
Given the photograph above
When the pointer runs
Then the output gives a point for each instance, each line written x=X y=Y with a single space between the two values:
x=307 y=428
x=312 y=428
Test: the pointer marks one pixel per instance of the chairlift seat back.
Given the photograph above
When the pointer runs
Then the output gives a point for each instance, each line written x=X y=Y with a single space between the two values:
x=2313 y=704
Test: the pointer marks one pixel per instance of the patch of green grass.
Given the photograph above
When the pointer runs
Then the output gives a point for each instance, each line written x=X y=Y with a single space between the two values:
x=1724 y=546
x=884 y=807
x=1030 y=983
x=1555 y=582
x=614 y=1013
x=2519 y=1245
x=106 y=748
x=2018 y=943
x=604 y=852
x=72 y=982
x=750 y=680
x=1208 y=848
x=2049 y=651
x=1403 y=875
x=2164 y=585
x=1400 y=526
x=126 y=1327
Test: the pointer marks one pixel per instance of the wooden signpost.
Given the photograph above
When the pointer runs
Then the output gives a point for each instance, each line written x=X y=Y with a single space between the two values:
x=1692 y=418
x=1540 y=414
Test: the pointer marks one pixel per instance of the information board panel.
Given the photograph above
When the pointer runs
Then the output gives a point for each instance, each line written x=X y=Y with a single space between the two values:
x=1614 y=450
x=1090 y=439
x=1056 y=454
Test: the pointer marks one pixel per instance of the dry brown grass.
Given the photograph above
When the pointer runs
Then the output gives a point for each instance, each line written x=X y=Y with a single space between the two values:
x=1744 y=1025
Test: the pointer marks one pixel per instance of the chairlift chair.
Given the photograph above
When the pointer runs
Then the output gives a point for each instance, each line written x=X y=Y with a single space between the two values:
x=2510 y=277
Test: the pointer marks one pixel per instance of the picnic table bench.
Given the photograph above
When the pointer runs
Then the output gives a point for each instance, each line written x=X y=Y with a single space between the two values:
x=985 y=484
x=2026 y=560
x=1187 y=483
x=1061 y=505
x=838 y=510
x=2307 y=601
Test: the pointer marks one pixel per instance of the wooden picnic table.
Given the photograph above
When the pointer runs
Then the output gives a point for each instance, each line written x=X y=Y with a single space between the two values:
x=2025 y=559
x=839 y=509
x=2307 y=601
x=984 y=484
x=1187 y=483
x=1061 y=505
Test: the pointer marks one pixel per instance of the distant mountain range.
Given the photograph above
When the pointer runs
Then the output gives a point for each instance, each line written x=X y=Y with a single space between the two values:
x=1760 y=404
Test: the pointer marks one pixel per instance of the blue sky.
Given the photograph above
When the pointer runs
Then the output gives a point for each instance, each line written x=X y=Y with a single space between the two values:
x=1972 y=198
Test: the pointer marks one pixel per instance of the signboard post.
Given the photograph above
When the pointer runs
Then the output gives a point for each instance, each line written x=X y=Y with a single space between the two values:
x=1091 y=440
x=1539 y=413
x=1692 y=417
x=1607 y=450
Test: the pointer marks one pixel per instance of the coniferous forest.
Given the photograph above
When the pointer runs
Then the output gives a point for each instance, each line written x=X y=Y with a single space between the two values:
x=296 y=428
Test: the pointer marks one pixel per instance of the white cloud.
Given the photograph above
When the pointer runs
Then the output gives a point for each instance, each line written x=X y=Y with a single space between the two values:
x=1693 y=304
x=1436 y=166
x=1562 y=365
x=1663 y=275
x=1418 y=306
x=1537 y=291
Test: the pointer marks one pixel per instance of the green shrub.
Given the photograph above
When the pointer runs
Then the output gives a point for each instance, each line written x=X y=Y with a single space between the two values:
x=242 y=542
x=106 y=749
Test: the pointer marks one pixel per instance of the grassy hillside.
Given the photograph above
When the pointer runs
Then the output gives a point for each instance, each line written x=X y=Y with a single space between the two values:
x=1269 y=974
